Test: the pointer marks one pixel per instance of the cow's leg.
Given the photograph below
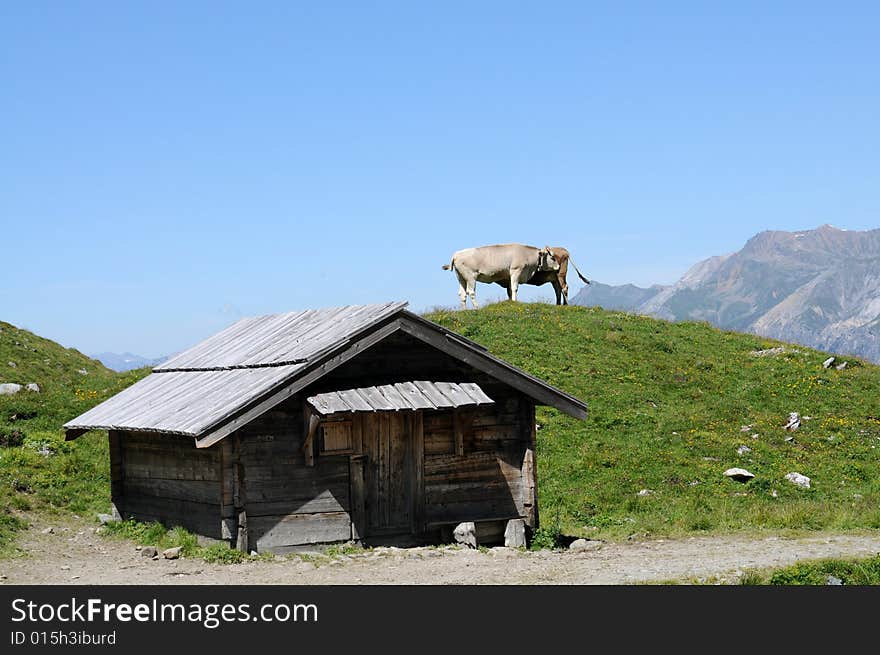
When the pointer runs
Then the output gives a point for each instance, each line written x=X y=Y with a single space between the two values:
x=462 y=291
x=558 y=290
x=472 y=292
x=514 y=287
x=516 y=277
x=564 y=294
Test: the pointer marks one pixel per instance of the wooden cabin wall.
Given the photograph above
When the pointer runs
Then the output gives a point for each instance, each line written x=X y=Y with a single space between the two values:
x=165 y=478
x=482 y=477
x=287 y=503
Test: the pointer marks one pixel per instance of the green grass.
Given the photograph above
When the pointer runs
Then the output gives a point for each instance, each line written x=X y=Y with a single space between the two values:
x=39 y=471
x=156 y=534
x=667 y=402
x=849 y=572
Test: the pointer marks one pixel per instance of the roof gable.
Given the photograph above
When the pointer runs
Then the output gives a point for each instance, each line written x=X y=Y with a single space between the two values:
x=229 y=379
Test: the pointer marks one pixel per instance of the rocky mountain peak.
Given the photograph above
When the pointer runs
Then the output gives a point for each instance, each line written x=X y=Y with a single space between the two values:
x=817 y=287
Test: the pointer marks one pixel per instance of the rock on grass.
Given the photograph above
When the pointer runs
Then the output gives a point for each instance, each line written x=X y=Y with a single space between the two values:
x=738 y=474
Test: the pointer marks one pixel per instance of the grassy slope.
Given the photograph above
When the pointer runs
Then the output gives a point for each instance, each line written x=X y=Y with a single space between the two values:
x=75 y=476
x=667 y=404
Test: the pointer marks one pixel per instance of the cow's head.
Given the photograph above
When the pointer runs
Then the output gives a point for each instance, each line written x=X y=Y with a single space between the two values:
x=547 y=260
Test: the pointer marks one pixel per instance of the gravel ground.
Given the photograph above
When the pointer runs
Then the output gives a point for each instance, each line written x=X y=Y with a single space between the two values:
x=72 y=553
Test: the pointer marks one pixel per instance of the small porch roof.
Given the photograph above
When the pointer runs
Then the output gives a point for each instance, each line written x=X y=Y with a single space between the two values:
x=419 y=394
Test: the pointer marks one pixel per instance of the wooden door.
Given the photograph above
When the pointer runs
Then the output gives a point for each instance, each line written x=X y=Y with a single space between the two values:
x=391 y=472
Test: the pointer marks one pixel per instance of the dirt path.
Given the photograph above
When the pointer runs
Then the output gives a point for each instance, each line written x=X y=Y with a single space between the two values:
x=73 y=554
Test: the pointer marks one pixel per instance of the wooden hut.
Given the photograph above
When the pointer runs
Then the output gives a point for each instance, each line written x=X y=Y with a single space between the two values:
x=365 y=423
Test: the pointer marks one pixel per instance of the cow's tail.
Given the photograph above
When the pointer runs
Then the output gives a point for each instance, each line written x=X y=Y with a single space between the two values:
x=578 y=272
x=448 y=267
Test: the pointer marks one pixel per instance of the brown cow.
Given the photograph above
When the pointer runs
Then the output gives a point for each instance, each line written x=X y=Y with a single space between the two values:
x=556 y=278
x=509 y=264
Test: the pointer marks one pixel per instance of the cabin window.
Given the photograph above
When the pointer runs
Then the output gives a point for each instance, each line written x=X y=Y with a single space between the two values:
x=336 y=438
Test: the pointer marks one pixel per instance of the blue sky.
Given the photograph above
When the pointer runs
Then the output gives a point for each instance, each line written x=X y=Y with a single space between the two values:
x=168 y=167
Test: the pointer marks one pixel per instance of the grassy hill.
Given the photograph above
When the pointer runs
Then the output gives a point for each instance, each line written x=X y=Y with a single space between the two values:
x=38 y=469
x=669 y=405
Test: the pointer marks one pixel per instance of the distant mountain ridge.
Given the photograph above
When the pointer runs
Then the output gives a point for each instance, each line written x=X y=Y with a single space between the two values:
x=819 y=288
x=126 y=361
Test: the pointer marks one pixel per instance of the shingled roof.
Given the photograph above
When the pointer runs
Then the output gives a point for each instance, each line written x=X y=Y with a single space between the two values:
x=211 y=389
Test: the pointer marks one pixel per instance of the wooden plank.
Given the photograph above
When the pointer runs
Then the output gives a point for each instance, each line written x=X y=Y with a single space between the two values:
x=161 y=442
x=262 y=472
x=199 y=491
x=433 y=394
x=329 y=403
x=354 y=400
x=279 y=531
x=371 y=469
x=384 y=469
x=326 y=500
x=437 y=420
x=171 y=506
x=228 y=516
x=492 y=433
x=226 y=468
x=239 y=499
x=458 y=431
x=170 y=451
x=331 y=472
x=476 y=393
x=300 y=487
x=117 y=474
x=474 y=466
x=336 y=437
x=529 y=466
x=290 y=435
x=357 y=434
x=413 y=397
x=358 y=497
x=439 y=443
x=418 y=466
x=463 y=492
x=529 y=489
x=376 y=399
x=311 y=430
x=394 y=397
x=285 y=445
x=400 y=470
x=528 y=423
x=484 y=417
x=171 y=470
x=455 y=394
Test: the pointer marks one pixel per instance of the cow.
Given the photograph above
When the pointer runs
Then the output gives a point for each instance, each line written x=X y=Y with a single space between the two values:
x=556 y=278
x=510 y=263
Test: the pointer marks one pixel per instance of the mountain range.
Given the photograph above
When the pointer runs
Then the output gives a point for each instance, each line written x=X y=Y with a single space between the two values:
x=819 y=288
x=126 y=361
